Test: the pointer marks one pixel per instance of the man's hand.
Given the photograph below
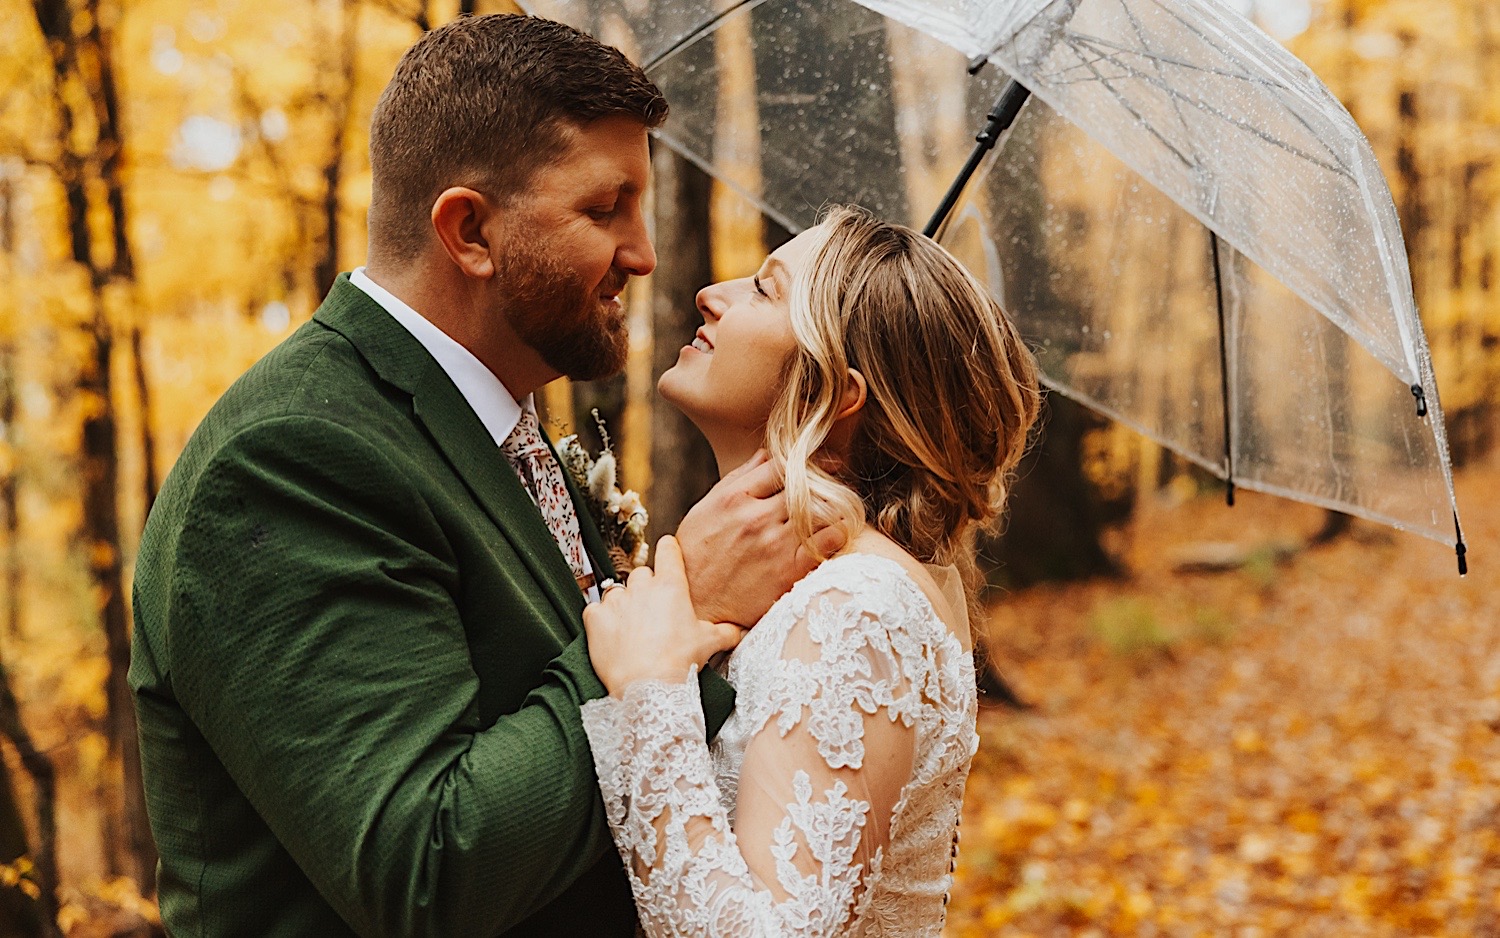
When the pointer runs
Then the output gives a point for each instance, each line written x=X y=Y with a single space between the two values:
x=739 y=546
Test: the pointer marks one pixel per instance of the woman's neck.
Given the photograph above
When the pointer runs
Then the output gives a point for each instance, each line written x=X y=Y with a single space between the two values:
x=731 y=449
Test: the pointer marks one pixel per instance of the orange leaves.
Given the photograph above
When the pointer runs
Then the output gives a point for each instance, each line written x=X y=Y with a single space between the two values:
x=1330 y=765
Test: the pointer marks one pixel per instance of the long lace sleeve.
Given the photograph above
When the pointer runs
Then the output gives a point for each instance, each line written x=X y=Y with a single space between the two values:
x=819 y=784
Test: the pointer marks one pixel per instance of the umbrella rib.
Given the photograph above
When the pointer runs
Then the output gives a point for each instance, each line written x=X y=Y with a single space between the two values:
x=1121 y=100
x=1056 y=78
x=1207 y=70
x=1287 y=83
x=698 y=33
x=1229 y=119
x=1170 y=60
x=1140 y=35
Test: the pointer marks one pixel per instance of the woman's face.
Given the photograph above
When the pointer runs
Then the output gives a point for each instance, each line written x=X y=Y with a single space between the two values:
x=730 y=375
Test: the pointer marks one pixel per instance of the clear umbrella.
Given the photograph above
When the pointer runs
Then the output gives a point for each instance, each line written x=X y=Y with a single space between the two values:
x=1187 y=225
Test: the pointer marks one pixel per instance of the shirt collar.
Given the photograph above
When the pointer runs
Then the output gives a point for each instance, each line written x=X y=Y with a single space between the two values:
x=492 y=403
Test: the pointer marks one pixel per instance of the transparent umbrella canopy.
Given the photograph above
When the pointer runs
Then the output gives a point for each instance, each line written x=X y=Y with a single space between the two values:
x=1187 y=226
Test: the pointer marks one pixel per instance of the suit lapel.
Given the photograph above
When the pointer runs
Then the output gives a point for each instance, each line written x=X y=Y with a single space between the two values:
x=458 y=433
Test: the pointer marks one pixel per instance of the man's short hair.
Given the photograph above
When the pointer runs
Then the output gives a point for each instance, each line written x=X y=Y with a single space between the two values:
x=484 y=102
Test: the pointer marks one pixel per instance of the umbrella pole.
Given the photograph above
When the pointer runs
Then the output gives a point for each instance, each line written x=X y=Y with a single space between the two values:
x=1007 y=106
x=1223 y=373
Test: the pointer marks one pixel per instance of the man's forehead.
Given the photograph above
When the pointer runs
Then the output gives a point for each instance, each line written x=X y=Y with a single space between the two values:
x=610 y=153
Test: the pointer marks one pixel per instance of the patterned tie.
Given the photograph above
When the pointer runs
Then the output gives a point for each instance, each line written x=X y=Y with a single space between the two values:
x=543 y=477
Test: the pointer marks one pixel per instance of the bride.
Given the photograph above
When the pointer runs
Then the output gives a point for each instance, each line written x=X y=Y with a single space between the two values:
x=893 y=395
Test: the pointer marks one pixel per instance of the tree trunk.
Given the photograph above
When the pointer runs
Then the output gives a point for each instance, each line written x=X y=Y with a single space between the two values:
x=86 y=62
x=607 y=396
x=19 y=914
x=135 y=855
x=150 y=484
x=1052 y=531
x=682 y=464
x=9 y=440
x=44 y=778
x=14 y=917
x=341 y=107
x=1055 y=515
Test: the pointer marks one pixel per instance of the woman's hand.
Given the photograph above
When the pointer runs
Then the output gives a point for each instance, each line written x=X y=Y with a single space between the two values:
x=648 y=630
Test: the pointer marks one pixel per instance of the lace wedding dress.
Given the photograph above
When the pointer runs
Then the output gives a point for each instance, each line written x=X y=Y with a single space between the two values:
x=829 y=802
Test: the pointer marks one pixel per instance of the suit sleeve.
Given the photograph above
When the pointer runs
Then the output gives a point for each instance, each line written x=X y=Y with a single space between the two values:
x=316 y=643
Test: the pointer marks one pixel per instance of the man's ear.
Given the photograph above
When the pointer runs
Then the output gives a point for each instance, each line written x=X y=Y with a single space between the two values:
x=854 y=396
x=458 y=219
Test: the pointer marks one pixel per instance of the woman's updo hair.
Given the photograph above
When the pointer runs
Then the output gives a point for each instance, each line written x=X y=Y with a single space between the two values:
x=951 y=390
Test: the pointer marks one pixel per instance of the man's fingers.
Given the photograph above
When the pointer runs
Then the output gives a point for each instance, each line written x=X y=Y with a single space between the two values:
x=826 y=543
x=830 y=540
x=762 y=482
x=760 y=457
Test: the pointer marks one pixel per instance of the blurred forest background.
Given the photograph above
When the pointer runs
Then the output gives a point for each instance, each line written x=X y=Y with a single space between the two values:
x=1264 y=720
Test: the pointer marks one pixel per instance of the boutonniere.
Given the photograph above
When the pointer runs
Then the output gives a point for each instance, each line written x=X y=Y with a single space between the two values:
x=619 y=515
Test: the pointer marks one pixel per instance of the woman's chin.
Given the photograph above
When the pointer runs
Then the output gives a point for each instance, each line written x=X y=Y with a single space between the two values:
x=675 y=388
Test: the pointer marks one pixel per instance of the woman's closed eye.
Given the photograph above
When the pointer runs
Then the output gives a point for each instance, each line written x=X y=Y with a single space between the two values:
x=758 y=288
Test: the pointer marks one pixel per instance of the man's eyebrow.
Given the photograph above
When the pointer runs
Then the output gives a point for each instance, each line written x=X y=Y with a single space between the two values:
x=616 y=187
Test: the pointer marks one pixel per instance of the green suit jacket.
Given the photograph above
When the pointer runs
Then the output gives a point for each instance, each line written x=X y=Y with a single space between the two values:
x=358 y=661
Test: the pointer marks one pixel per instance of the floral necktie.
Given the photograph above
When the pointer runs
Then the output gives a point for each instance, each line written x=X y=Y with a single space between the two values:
x=543 y=477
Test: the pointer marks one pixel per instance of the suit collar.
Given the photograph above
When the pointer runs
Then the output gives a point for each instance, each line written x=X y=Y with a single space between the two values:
x=486 y=393
x=400 y=360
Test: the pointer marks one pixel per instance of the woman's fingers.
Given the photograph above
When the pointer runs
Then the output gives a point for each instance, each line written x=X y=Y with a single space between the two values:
x=726 y=635
x=670 y=568
x=640 y=576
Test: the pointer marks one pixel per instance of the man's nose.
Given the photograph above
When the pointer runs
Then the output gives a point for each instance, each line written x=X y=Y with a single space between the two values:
x=635 y=253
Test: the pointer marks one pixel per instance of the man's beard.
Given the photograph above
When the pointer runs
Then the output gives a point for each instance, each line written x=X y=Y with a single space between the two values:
x=554 y=312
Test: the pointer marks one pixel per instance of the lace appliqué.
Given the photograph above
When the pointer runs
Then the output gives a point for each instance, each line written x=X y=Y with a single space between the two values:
x=846 y=847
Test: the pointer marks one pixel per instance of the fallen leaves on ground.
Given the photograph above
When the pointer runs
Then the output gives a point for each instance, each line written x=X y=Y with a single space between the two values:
x=1309 y=745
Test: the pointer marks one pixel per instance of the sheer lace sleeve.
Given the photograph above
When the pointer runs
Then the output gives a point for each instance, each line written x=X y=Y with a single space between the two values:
x=820 y=781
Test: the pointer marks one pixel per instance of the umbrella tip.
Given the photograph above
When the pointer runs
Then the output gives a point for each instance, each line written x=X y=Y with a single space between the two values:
x=1458 y=546
x=1421 y=396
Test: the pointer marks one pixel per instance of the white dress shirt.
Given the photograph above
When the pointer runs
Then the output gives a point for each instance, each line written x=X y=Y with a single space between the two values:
x=492 y=403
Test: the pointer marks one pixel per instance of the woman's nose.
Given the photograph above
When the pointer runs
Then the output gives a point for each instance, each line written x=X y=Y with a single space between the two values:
x=710 y=301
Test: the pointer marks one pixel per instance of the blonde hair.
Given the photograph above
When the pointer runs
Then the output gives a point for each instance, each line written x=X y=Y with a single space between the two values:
x=951 y=391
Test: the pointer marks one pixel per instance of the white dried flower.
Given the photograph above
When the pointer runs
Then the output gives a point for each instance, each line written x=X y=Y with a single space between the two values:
x=602 y=477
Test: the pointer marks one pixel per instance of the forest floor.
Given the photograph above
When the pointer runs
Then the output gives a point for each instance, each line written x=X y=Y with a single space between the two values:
x=1308 y=745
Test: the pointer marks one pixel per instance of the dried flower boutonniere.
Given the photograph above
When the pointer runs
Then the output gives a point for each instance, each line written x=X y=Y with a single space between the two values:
x=619 y=515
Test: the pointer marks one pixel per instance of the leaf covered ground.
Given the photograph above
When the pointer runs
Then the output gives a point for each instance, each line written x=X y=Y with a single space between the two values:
x=1307 y=745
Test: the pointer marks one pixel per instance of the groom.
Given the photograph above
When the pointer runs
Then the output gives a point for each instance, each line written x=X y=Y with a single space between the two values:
x=358 y=654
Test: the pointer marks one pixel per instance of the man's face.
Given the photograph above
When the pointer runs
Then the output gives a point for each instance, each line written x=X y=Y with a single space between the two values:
x=569 y=243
